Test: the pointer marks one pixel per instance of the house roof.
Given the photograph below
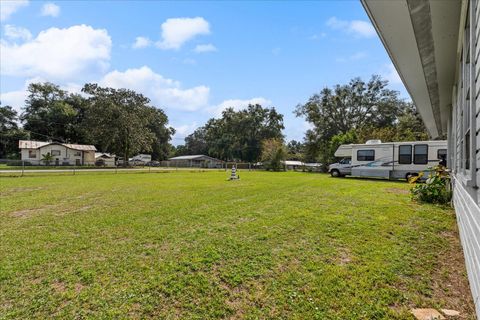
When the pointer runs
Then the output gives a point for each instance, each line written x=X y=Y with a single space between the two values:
x=421 y=38
x=30 y=144
x=194 y=157
x=104 y=155
x=293 y=163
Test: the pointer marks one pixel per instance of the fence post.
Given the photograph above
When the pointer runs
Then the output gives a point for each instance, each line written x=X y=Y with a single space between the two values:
x=23 y=167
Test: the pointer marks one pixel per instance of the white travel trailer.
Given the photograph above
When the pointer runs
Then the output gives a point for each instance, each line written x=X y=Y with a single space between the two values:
x=390 y=160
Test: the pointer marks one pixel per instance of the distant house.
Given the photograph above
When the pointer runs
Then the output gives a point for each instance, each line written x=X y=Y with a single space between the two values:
x=62 y=153
x=199 y=161
x=104 y=159
x=293 y=164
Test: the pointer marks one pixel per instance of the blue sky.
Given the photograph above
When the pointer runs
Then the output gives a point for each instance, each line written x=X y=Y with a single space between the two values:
x=192 y=58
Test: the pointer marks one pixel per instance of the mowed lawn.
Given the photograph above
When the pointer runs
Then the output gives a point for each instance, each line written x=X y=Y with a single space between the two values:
x=192 y=245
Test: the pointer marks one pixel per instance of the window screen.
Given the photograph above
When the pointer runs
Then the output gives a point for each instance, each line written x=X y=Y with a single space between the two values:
x=365 y=155
x=420 y=155
x=441 y=153
x=405 y=154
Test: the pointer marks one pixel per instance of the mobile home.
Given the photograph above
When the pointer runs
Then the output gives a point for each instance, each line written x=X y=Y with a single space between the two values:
x=390 y=160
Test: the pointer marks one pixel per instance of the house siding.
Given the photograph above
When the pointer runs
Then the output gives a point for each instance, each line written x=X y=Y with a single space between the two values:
x=67 y=155
x=465 y=115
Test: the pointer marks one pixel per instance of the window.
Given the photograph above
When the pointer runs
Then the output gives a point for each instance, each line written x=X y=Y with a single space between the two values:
x=365 y=155
x=420 y=155
x=405 y=154
x=55 y=152
x=32 y=154
x=77 y=154
x=441 y=154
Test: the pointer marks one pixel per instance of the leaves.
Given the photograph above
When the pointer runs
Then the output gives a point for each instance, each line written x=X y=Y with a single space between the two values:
x=237 y=135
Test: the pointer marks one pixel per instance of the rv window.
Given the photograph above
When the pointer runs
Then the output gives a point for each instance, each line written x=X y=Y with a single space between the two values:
x=405 y=154
x=420 y=154
x=441 y=154
x=365 y=155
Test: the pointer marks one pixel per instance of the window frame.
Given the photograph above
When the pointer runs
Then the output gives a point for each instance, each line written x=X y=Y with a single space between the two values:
x=34 y=152
x=415 y=154
x=56 y=155
x=438 y=154
x=400 y=154
x=366 y=150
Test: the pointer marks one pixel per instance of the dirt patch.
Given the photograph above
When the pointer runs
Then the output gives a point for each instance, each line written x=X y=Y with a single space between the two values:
x=26 y=213
x=450 y=283
x=79 y=287
x=59 y=287
x=397 y=190
x=344 y=257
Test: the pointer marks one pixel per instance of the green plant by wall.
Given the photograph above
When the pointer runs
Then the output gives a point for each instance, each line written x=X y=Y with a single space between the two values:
x=436 y=189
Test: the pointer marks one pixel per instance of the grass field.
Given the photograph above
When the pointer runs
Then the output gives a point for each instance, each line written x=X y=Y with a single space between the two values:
x=190 y=245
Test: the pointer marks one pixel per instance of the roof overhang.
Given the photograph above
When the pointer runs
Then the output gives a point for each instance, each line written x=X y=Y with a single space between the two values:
x=421 y=37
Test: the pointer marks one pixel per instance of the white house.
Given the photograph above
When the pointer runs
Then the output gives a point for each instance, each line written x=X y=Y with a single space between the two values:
x=62 y=153
x=104 y=159
x=199 y=160
x=434 y=46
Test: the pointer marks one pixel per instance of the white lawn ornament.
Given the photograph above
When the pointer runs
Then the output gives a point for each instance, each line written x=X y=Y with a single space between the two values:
x=234 y=175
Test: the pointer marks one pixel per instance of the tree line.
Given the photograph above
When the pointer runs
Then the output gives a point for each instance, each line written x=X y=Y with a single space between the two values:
x=118 y=121
x=124 y=122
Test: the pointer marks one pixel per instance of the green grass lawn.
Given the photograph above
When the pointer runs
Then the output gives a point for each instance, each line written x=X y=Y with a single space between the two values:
x=183 y=245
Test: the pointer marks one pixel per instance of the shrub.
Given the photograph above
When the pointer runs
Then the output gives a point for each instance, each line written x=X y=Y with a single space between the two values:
x=436 y=189
x=273 y=153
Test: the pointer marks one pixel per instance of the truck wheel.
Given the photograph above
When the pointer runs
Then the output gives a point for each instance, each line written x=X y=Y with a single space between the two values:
x=335 y=173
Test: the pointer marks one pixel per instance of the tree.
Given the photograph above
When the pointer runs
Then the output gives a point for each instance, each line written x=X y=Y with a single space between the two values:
x=295 y=150
x=368 y=108
x=162 y=134
x=118 y=120
x=52 y=113
x=10 y=133
x=273 y=153
x=196 y=142
x=47 y=158
x=237 y=135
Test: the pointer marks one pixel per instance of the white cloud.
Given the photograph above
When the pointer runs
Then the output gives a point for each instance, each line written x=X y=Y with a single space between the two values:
x=141 y=42
x=238 y=104
x=14 y=33
x=162 y=91
x=181 y=131
x=390 y=73
x=16 y=99
x=50 y=9
x=201 y=48
x=58 y=53
x=8 y=7
x=358 y=28
x=177 y=31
